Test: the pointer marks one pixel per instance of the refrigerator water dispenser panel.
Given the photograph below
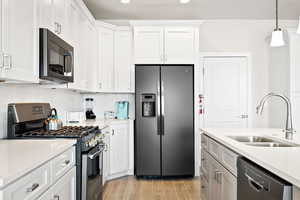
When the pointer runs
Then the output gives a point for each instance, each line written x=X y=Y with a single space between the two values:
x=148 y=105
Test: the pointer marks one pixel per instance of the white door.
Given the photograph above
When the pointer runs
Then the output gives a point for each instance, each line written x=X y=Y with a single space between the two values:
x=119 y=149
x=226 y=92
x=64 y=189
x=123 y=61
x=20 y=40
x=149 y=45
x=106 y=52
x=180 y=45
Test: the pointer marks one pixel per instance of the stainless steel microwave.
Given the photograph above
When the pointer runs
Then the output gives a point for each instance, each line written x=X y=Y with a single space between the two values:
x=56 y=58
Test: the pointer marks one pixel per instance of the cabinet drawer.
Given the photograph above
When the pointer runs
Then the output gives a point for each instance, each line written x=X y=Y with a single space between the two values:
x=30 y=186
x=229 y=160
x=214 y=149
x=62 y=163
x=204 y=142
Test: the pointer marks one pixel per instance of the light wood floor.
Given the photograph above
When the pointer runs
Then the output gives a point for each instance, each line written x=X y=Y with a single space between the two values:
x=129 y=188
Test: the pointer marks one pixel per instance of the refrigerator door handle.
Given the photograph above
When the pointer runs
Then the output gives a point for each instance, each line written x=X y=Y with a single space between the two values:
x=158 y=109
x=162 y=121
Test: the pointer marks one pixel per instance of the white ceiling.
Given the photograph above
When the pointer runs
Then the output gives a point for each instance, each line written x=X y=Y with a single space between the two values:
x=197 y=9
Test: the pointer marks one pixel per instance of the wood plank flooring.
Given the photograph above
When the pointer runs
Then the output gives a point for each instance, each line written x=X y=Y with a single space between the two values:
x=130 y=188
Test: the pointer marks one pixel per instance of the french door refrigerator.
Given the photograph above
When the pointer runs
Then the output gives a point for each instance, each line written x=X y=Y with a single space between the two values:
x=164 y=125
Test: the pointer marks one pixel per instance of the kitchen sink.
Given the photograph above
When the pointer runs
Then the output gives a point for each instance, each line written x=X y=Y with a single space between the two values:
x=259 y=141
x=250 y=139
x=273 y=144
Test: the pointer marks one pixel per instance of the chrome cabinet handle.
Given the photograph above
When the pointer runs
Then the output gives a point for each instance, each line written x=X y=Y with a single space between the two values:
x=33 y=187
x=218 y=176
x=1 y=60
x=56 y=27
x=113 y=132
x=59 y=28
x=56 y=197
x=6 y=61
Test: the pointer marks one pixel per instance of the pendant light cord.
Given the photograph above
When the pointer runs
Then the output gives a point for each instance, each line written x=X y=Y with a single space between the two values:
x=277 y=26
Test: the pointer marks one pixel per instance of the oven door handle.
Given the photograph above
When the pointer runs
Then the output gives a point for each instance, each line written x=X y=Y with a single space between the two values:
x=94 y=155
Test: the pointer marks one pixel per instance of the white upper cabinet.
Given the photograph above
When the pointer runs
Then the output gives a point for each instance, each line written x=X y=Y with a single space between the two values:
x=165 y=45
x=106 y=63
x=53 y=15
x=123 y=61
x=148 y=45
x=180 y=45
x=59 y=16
x=20 y=38
x=92 y=57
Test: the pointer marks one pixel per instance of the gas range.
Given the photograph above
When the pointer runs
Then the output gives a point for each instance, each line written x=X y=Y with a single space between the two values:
x=27 y=120
x=88 y=136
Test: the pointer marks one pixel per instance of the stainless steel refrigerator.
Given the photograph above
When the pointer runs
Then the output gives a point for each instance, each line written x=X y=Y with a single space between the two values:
x=164 y=125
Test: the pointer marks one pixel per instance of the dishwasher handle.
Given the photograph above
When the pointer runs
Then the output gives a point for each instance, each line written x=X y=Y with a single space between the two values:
x=254 y=184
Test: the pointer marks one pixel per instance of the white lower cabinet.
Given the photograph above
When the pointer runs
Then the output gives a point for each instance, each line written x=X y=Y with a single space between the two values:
x=28 y=187
x=63 y=189
x=54 y=180
x=217 y=182
x=119 y=149
x=118 y=158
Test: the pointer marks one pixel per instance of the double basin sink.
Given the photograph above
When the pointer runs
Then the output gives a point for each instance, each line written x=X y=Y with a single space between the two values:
x=259 y=141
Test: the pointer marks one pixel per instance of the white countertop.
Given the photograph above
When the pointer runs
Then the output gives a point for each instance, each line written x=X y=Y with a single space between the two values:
x=282 y=161
x=18 y=157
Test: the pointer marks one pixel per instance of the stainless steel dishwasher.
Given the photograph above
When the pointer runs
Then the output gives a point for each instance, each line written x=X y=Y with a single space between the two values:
x=256 y=183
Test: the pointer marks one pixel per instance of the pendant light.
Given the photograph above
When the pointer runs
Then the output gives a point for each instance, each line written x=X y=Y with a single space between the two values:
x=277 y=34
x=298 y=31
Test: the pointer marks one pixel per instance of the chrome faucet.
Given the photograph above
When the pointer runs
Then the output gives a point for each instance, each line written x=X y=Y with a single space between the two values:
x=289 y=131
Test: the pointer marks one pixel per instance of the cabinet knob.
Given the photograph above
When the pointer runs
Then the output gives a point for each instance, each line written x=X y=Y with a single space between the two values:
x=56 y=197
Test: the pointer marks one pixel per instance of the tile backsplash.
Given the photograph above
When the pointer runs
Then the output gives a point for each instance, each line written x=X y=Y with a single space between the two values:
x=62 y=100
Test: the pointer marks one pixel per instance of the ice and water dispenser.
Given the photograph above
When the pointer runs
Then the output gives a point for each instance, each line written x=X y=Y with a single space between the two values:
x=148 y=105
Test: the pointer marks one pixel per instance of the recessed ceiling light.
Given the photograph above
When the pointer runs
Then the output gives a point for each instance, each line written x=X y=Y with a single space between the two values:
x=185 y=1
x=125 y=1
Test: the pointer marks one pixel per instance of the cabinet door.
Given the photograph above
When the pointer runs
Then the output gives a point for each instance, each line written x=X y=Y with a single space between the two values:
x=44 y=14
x=228 y=185
x=123 y=61
x=106 y=55
x=180 y=45
x=119 y=147
x=214 y=179
x=91 y=73
x=64 y=189
x=20 y=39
x=149 y=45
x=106 y=160
x=59 y=17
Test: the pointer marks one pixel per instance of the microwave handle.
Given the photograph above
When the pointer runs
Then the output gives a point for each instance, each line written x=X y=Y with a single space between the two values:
x=69 y=54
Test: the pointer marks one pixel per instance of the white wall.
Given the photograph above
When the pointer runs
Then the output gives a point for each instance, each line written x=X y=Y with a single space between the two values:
x=251 y=36
x=62 y=100
x=106 y=102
